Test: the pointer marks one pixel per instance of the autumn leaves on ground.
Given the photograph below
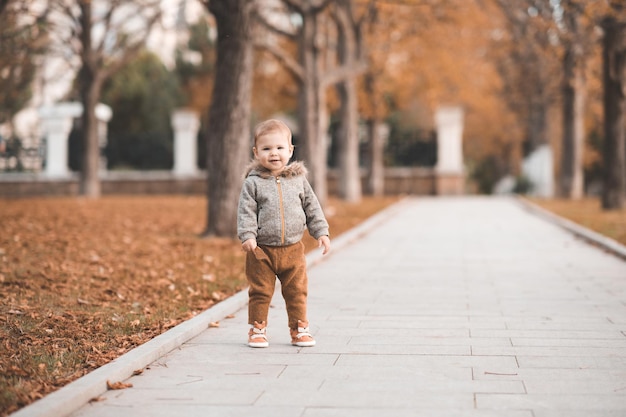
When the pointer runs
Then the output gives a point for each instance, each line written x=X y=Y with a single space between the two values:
x=588 y=213
x=84 y=281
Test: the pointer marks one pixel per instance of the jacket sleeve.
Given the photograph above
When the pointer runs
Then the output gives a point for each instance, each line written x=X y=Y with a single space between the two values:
x=247 y=226
x=315 y=220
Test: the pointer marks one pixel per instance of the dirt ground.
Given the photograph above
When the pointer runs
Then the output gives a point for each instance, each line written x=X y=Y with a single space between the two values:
x=84 y=281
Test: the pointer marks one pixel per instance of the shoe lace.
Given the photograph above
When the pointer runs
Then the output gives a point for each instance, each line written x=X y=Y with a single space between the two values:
x=258 y=333
x=302 y=332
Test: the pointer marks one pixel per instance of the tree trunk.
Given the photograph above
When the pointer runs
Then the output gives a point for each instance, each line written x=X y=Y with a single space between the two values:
x=348 y=137
x=571 y=179
x=228 y=131
x=349 y=173
x=312 y=118
x=90 y=177
x=537 y=123
x=614 y=83
x=376 y=169
x=89 y=92
x=376 y=131
x=3 y=5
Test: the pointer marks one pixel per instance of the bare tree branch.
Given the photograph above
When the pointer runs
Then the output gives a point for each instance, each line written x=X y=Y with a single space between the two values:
x=343 y=72
x=267 y=25
x=130 y=51
x=304 y=6
x=290 y=64
x=107 y=27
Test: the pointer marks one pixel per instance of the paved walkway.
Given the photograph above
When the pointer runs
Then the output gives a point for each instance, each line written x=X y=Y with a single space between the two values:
x=449 y=307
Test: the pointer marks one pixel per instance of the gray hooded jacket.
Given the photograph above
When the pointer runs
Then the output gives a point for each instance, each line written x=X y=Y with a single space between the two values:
x=276 y=210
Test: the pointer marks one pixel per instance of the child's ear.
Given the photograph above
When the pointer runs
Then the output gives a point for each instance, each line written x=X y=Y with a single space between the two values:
x=254 y=152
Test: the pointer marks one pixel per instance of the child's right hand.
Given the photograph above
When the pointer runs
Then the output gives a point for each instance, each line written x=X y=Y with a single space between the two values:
x=325 y=242
x=249 y=245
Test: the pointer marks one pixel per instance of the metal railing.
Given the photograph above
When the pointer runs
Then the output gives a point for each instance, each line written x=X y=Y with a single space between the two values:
x=22 y=155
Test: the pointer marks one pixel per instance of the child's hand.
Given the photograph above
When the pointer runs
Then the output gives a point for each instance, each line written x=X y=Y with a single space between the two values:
x=324 y=241
x=249 y=245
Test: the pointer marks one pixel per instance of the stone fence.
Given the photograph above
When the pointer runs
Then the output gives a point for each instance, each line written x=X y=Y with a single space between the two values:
x=447 y=177
x=399 y=180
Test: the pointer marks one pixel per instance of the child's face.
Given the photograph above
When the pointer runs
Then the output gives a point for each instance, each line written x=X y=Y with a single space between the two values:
x=273 y=151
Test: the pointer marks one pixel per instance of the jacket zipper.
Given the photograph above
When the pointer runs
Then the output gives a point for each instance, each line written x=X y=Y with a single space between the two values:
x=282 y=212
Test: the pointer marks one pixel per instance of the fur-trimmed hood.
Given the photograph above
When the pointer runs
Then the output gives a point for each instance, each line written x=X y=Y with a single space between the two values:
x=293 y=169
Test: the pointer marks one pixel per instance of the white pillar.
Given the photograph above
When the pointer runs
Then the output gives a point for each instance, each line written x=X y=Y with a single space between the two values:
x=449 y=122
x=186 y=124
x=56 y=125
x=538 y=168
x=103 y=115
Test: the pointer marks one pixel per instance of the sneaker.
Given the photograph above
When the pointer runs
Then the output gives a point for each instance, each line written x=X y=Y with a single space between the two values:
x=257 y=337
x=302 y=337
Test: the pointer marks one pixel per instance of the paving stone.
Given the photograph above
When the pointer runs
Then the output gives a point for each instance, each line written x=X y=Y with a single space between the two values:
x=414 y=412
x=565 y=403
x=576 y=413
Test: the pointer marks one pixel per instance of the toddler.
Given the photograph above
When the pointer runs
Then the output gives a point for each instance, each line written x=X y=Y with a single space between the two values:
x=276 y=204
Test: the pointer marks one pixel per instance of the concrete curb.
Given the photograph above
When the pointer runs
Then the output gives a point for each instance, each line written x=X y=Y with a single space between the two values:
x=582 y=232
x=78 y=393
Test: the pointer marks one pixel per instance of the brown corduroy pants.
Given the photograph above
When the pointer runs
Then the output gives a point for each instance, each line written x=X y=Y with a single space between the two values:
x=288 y=263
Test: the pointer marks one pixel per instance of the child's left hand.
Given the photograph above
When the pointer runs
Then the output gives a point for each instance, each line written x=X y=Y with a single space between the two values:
x=324 y=241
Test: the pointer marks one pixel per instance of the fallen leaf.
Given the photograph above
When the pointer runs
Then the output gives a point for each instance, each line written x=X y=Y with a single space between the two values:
x=96 y=399
x=214 y=324
x=208 y=277
x=118 y=385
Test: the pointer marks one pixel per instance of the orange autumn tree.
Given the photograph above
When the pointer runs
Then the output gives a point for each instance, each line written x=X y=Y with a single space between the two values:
x=425 y=54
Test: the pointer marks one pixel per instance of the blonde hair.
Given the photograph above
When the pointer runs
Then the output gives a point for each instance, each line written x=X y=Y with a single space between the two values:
x=270 y=126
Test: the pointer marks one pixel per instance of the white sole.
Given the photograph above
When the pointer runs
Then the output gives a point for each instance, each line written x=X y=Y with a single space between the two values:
x=304 y=344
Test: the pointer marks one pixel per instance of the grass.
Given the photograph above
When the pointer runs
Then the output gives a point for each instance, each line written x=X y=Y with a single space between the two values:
x=84 y=281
